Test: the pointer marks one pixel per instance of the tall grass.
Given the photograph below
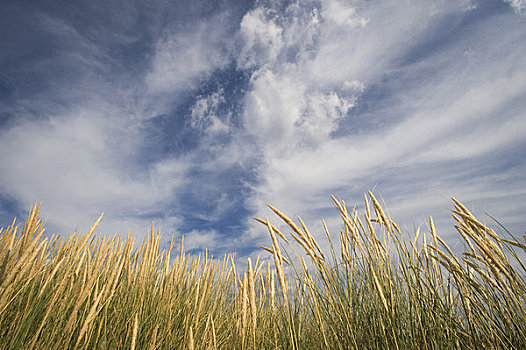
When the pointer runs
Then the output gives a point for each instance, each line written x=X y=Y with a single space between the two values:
x=373 y=288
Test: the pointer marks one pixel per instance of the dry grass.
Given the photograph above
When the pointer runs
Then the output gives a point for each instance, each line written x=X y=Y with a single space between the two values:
x=374 y=288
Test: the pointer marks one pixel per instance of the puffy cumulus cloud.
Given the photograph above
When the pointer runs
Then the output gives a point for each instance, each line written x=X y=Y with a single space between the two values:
x=284 y=112
x=273 y=106
x=286 y=106
x=419 y=100
x=383 y=96
x=342 y=14
x=262 y=38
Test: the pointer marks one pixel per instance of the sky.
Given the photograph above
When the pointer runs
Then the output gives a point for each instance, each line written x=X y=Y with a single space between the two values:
x=196 y=114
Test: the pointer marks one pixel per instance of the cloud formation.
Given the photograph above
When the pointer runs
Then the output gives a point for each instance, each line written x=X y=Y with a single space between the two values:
x=196 y=116
x=437 y=97
x=519 y=6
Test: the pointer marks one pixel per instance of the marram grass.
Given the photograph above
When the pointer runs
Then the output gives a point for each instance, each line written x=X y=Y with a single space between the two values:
x=373 y=288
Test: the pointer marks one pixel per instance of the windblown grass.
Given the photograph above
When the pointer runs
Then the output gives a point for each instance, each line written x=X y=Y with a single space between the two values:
x=374 y=288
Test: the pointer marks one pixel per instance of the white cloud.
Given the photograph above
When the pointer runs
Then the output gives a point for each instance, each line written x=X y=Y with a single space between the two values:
x=262 y=39
x=324 y=112
x=201 y=239
x=287 y=107
x=455 y=108
x=68 y=163
x=342 y=14
x=519 y=6
x=182 y=57
x=343 y=97
x=206 y=116
x=285 y=112
x=273 y=106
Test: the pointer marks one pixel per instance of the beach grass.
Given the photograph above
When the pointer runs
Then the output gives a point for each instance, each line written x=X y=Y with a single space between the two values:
x=373 y=287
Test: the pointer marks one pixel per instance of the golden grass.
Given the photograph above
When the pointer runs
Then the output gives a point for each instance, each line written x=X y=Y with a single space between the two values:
x=374 y=287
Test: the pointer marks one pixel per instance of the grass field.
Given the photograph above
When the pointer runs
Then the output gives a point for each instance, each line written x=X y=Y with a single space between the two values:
x=375 y=287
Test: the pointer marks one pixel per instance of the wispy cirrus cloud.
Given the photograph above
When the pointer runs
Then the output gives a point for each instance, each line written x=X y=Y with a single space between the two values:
x=184 y=56
x=78 y=137
x=196 y=116
x=434 y=94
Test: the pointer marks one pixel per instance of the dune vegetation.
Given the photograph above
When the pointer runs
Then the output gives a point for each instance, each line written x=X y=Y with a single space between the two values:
x=374 y=287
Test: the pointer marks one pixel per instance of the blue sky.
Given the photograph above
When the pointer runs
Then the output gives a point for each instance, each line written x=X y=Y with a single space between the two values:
x=196 y=114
